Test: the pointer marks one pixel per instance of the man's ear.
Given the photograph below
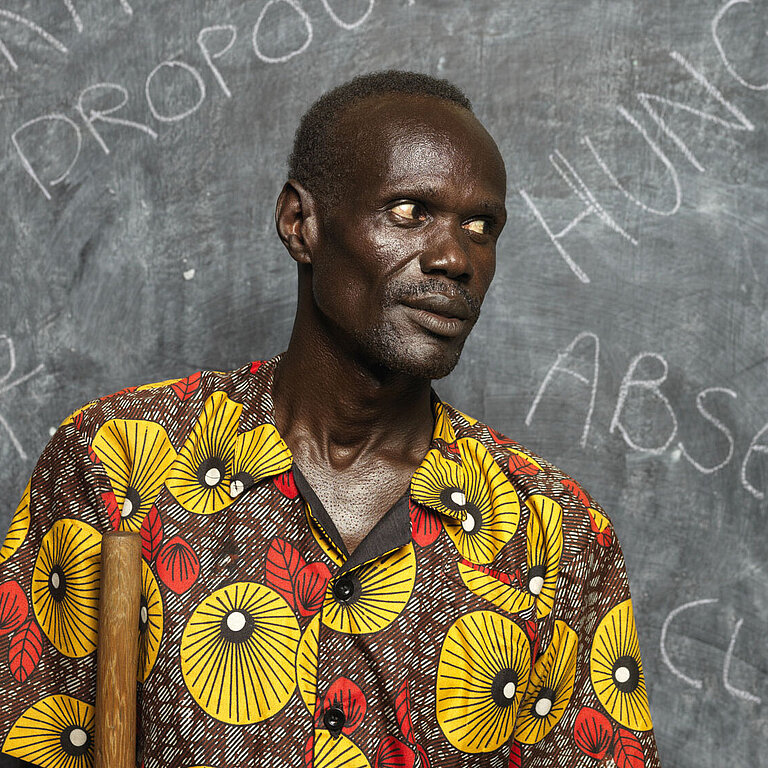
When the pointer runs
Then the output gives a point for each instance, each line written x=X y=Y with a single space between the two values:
x=296 y=220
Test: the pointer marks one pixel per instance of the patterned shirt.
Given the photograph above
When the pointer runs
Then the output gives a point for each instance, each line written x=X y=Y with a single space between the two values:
x=485 y=621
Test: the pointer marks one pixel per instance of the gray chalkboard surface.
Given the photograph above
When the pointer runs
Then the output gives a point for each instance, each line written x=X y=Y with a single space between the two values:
x=142 y=145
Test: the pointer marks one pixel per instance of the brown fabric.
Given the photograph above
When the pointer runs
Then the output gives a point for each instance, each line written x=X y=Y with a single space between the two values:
x=485 y=621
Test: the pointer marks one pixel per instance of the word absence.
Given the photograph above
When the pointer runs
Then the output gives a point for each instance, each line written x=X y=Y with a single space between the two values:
x=49 y=145
x=581 y=361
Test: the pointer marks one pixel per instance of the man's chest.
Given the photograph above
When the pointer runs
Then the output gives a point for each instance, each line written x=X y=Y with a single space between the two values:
x=262 y=638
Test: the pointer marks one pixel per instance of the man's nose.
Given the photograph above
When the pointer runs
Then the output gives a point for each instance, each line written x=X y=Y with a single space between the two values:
x=448 y=253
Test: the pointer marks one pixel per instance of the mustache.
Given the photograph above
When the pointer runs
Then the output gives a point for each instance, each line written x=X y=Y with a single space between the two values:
x=398 y=291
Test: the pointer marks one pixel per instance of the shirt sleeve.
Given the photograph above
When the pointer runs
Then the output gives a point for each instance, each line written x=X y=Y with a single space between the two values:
x=49 y=588
x=586 y=696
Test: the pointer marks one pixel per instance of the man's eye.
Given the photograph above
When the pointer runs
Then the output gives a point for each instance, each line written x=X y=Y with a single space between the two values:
x=478 y=226
x=409 y=211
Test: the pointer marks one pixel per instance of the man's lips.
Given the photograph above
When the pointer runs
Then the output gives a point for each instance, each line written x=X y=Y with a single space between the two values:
x=442 y=315
x=440 y=304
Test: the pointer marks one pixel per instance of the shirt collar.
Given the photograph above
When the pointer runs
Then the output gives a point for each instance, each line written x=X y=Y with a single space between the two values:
x=438 y=483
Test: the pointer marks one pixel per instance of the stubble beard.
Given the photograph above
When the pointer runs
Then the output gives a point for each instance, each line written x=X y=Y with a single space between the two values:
x=385 y=346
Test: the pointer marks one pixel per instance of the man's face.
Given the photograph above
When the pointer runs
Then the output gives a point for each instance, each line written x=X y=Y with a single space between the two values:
x=407 y=251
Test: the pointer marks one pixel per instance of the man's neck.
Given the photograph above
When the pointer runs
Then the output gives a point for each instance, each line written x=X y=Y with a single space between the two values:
x=332 y=408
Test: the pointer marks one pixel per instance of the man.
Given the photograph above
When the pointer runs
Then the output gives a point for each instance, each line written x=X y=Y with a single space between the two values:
x=340 y=569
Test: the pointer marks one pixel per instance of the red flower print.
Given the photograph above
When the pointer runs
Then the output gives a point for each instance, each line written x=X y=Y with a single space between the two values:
x=425 y=524
x=498 y=438
x=592 y=732
x=627 y=750
x=453 y=448
x=177 y=565
x=13 y=607
x=403 y=711
x=255 y=365
x=603 y=538
x=185 y=388
x=151 y=534
x=348 y=697
x=113 y=510
x=286 y=485
x=532 y=630
x=25 y=650
x=520 y=465
x=504 y=578
x=311 y=583
x=575 y=490
x=392 y=753
x=282 y=567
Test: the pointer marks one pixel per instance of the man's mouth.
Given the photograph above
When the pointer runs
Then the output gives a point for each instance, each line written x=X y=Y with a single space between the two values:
x=442 y=315
x=453 y=308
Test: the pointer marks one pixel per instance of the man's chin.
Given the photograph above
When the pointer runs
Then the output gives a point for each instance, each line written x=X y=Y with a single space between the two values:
x=422 y=359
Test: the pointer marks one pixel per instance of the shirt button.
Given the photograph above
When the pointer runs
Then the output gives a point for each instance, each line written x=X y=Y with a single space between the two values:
x=343 y=589
x=334 y=720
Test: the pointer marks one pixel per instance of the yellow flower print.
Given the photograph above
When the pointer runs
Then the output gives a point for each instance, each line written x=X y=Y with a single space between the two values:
x=157 y=385
x=19 y=528
x=545 y=548
x=336 y=752
x=471 y=420
x=306 y=664
x=439 y=484
x=238 y=653
x=443 y=428
x=616 y=670
x=201 y=477
x=551 y=686
x=483 y=671
x=57 y=732
x=137 y=456
x=259 y=453
x=378 y=593
x=495 y=586
x=491 y=505
x=65 y=586
x=150 y=621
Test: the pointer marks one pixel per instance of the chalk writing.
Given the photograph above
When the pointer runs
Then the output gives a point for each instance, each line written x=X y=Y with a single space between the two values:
x=103 y=115
x=727 y=660
x=559 y=367
x=633 y=385
x=650 y=102
x=172 y=76
x=719 y=16
x=718 y=424
x=346 y=24
x=36 y=28
x=303 y=16
x=209 y=56
x=7 y=383
x=650 y=385
x=178 y=66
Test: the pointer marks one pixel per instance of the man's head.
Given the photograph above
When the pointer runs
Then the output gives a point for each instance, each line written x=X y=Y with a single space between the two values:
x=393 y=209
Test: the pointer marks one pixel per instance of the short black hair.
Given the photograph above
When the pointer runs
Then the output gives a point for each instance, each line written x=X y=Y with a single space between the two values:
x=314 y=160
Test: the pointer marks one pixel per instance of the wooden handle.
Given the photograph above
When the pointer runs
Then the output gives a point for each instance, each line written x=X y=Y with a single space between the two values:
x=118 y=650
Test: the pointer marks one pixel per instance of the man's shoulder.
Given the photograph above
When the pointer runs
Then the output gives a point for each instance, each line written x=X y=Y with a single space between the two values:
x=538 y=481
x=174 y=404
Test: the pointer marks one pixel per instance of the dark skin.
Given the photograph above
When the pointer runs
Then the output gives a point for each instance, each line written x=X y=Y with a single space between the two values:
x=391 y=279
x=417 y=224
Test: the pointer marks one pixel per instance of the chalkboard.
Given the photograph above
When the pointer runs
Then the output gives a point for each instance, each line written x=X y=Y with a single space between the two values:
x=142 y=146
